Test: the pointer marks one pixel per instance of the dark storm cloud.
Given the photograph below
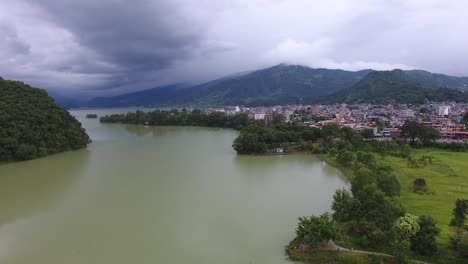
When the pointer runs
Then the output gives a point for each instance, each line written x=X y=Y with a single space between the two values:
x=132 y=35
x=10 y=43
x=112 y=46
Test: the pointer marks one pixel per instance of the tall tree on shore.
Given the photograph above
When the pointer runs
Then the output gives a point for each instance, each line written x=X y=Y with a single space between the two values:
x=414 y=130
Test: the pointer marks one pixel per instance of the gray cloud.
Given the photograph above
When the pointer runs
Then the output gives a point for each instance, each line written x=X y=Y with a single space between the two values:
x=134 y=36
x=112 y=46
x=10 y=45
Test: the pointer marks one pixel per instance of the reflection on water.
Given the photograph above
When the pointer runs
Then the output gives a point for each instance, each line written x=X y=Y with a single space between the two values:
x=30 y=186
x=139 y=131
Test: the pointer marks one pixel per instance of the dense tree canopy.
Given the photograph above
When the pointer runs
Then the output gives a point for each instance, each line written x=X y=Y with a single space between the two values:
x=318 y=230
x=413 y=130
x=465 y=119
x=180 y=118
x=405 y=227
x=32 y=125
x=424 y=241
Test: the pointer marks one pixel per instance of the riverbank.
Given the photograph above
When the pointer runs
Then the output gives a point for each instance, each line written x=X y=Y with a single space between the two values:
x=335 y=254
x=447 y=180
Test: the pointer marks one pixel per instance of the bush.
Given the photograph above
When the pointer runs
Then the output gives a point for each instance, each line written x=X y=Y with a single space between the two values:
x=318 y=230
x=424 y=241
x=420 y=186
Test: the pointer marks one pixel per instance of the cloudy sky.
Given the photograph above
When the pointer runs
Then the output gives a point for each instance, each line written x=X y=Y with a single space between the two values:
x=106 y=47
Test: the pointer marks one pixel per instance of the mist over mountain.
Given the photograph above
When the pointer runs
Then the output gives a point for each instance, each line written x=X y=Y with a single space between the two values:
x=295 y=84
x=397 y=86
x=281 y=84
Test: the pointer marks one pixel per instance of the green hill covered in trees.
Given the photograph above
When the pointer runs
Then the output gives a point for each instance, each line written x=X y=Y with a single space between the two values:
x=294 y=84
x=32 y=125
x=397 y=86
x=278 y=85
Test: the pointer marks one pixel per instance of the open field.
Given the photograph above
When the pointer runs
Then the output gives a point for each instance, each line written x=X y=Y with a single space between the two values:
x=446 y=177
x=447 y=181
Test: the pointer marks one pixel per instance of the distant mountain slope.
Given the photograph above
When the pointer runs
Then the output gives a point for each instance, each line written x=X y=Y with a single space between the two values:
x=293 y=84
x=438 y=80
x=65 y=102
x=281 y=84
x=159 y=96
x=397 y=86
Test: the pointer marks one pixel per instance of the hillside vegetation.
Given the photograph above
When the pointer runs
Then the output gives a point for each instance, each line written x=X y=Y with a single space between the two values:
x=397 y=86
x=278 y=85
x=294 y=84
x=32 y=125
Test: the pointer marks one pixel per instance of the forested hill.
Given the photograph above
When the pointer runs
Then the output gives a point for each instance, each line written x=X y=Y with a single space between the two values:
x=397 y=86
x=32 y=125
x=294 y=84
x=281 y=84
x=438 y=80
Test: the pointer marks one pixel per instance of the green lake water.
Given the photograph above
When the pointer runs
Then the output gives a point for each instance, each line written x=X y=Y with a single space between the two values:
x=158 y=195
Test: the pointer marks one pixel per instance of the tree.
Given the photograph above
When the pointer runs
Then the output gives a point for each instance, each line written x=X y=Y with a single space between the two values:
x=346 y=158
x=459 y=218
x=278 y=120
x=367 y=159
x=400 y=250
x=362 y=178
x=388 y=183
x=368 y=133
x=424 y=241
x=424 y=110
x=376 y=207
x=465 y=118
x=428 y=135
x=318 y=230
x=405 y=151
x=248 y=143
x=463 y=245
x=343 y=205
x=413 y=130
x=330 y=131
x=405 y=227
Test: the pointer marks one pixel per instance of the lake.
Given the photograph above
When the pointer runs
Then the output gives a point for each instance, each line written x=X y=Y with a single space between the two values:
x=158 y=195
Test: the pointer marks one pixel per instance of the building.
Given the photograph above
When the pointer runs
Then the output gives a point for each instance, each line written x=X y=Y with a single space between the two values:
x=443 y=110
x=259 y=116
x=454 y=135
x=407 y=113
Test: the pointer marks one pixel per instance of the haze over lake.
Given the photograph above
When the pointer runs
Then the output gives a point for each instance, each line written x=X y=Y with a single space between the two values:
x=158 y=195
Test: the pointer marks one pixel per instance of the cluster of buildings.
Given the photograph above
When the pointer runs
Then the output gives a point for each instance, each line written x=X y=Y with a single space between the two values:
x=384 y=120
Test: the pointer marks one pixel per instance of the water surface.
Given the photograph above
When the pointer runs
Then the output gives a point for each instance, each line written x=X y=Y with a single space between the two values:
x=158 y=195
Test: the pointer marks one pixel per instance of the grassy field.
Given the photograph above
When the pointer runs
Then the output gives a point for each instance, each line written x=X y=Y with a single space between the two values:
x=447 y=180
x=446 y=177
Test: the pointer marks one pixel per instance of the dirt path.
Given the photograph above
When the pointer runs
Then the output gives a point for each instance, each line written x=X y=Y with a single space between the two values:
x=331 y=246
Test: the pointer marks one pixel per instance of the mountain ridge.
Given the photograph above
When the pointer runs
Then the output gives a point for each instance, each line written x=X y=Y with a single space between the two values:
x=396 y=86
x=279 y=85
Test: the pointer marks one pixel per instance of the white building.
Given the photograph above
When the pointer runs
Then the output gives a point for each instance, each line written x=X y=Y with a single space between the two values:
x=407 y=113
x=443 y=110
x=259 y=116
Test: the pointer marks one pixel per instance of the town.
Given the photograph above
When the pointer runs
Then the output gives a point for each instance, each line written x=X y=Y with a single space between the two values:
x=384 y=120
